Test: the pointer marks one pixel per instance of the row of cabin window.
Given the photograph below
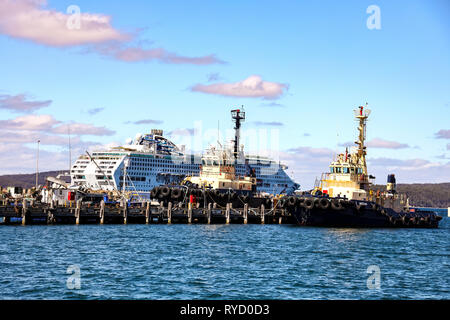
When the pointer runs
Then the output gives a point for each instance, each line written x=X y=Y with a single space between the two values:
x=345 y=170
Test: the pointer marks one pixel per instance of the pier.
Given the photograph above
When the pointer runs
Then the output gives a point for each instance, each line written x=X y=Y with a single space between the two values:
x=76 y=212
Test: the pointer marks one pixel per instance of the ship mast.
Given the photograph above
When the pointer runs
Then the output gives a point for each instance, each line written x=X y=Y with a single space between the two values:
x=361 y=115
x=237 y=116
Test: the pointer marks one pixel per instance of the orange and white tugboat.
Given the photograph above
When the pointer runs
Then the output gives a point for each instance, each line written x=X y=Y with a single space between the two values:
x=343 y=197
x=218 y=181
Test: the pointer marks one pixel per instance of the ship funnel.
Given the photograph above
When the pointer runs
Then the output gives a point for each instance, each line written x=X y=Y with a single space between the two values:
x=391 y=185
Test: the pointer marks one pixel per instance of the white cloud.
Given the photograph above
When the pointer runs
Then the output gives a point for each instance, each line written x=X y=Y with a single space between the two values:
x=21 y=103
x=443 y=134
x=27 y=19
x=252 y=87
x=410 y=170
x=29 y=122
x=386 y=144
x=31 y=20
x=268 y=123
x=307 y=163
x=95 y=111
x=82 y=129
x=19 y=135
x=23 y=160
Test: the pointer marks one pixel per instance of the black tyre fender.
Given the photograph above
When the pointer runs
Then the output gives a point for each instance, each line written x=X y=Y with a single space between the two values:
x=165 y=191
x=345 y=203
x=308 y=203
x=324 y=204
x=176 y=193
x=405 y=220
x=292 y=201
x=336 y=204
x=154 y=192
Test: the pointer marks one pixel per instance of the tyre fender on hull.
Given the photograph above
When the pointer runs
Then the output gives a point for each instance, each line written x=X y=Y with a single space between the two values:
x=324 y=204
x=165 y=191
x=405 y=220
x=336 y=204
x=292 y=201
x=176 y=193
x=154 y=192
x=308 y=203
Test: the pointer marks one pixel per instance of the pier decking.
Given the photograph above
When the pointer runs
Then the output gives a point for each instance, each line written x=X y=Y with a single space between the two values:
x=33 y=213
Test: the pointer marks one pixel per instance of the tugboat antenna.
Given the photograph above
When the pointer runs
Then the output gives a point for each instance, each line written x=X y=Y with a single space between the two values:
x=237 y=115
x=361 y=115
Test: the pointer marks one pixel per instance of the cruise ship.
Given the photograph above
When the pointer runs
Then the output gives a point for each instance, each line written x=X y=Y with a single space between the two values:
x=151 y=160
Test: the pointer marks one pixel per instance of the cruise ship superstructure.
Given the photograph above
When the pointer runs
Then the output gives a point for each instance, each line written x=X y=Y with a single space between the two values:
x=151 y=160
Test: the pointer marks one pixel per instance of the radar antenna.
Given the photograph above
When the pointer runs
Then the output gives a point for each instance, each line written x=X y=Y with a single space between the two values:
x=237 y=116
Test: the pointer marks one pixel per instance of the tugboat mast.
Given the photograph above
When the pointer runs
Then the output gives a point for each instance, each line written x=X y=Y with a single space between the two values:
x=237 y=116
x=361 y=115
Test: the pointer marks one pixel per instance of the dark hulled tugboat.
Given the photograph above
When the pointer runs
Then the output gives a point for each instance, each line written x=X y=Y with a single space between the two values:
x=217 y=182
x=343 y=197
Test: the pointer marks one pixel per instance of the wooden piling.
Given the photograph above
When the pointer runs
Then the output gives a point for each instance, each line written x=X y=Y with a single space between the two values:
x=227 y=214
x=147 y=213
x=209 y=213
x=50 y=218
x=125 y=211
x=24 y=211
x=262 y=214
x=189 y=213
x=169 y=213
x=246 y=213
x=102 y=212
x=77 y=212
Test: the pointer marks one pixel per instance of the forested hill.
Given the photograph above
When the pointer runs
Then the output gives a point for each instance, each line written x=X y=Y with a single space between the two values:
x=26 y=180
x=436 y=195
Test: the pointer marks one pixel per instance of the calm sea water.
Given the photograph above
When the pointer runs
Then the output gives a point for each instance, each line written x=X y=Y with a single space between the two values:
x=222 y=262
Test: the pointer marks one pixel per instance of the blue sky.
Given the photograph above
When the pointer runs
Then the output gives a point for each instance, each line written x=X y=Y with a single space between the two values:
x=320 y=56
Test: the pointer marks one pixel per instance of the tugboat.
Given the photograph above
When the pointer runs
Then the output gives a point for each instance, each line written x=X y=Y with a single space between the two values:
x=217 y=181
x=343 y=197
